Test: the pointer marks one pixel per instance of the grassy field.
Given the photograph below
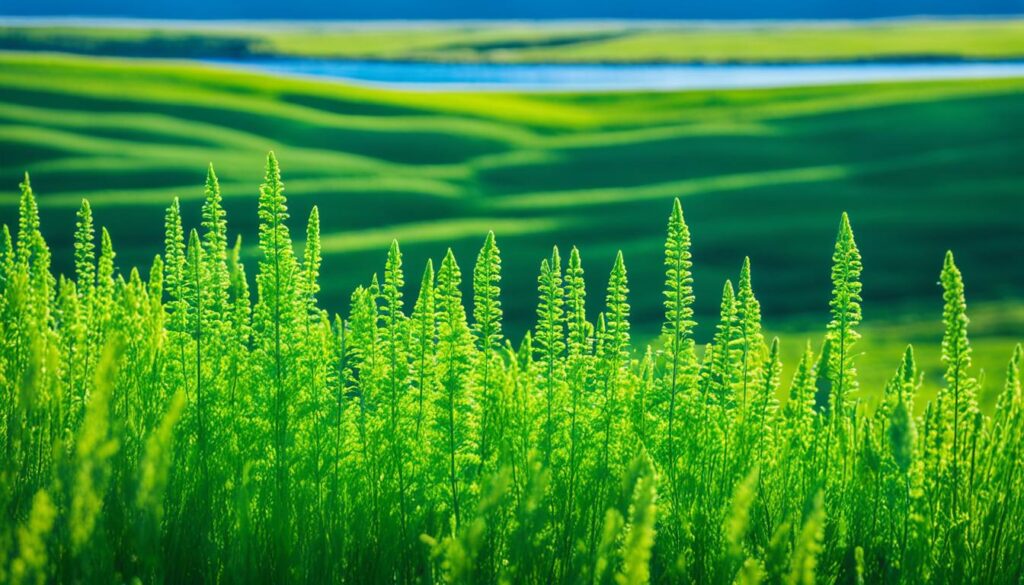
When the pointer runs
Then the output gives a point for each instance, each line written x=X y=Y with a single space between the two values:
x=526 y=43
x=222 y=441
x=920 y=167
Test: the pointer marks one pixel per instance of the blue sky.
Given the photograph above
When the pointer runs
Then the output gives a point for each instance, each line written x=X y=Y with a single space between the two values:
x=488 y=9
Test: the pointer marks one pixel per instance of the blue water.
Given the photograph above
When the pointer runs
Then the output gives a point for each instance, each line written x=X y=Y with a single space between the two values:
x=557 y=77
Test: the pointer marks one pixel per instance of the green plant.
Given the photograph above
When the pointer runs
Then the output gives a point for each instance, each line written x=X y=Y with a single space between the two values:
x=168 y=429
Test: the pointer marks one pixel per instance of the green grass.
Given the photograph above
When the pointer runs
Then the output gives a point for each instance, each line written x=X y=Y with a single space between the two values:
x=169 y=426
x=521 y=43
x=995 y=327
x=920 y=167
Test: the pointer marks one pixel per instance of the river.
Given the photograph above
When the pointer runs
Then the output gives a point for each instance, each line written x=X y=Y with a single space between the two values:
x=631 y=77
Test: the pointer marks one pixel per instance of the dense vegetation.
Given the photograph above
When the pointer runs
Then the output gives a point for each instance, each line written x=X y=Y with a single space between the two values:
x=504 y=42
x=163 y=428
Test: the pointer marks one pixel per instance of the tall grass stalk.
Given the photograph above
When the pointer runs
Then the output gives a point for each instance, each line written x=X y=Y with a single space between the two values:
x=175 y=429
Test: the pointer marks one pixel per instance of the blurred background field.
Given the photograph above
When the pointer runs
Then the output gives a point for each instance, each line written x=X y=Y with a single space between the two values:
x=920 y=167
x=532 y=42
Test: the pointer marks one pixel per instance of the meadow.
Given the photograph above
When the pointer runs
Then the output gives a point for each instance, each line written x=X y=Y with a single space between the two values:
x=519 y=42
x=496 y=338
x=920 y=167
x=173 y=425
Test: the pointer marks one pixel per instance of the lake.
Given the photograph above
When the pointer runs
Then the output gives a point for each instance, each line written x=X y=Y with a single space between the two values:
x=598 y=77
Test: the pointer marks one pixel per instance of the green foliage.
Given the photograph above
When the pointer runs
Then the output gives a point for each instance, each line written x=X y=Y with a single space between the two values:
x=169 y=429
x=677 y=330
x=846 y=315
x=549 y=343
x=454 y=412
x=803 y=568
x=751 y=340
x=958 y=397
x=487 y=333
x=30 y=566
x=85 y=255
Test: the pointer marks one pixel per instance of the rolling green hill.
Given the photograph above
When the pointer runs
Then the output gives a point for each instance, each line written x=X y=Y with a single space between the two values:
x=517 y=42
x=920 y=168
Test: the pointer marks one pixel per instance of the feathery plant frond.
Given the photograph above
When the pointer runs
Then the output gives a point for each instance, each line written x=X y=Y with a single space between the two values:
x=174 y=251
x=723 y=372
x=31 y=246
x=85 y=251
x=486 y=295
x=613 y=353
x=958 y=396
x=846 y=315
x=488 y=334
x=215 y=246
x=616 y=335
x=549 y=344
x=751 y=340
x=311 y=261
x=454 y=412
x=274 y=324
x=677 y=330
x=423 y=345
x=170 y=428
